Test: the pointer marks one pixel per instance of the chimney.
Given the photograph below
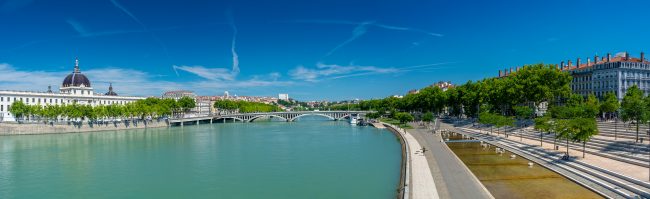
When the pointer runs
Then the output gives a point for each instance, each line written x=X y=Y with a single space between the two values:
x=588 y=62
x=562 y=65
x=569 y=65
x=510 y=70
x=500 y=73
x=609 y=57
x=642 y=57
x=578 y=63
x=596 y=59
x=627 y=56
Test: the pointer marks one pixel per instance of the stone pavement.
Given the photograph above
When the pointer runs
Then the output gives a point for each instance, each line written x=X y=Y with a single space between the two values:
x=421 y=185
x=451 y=176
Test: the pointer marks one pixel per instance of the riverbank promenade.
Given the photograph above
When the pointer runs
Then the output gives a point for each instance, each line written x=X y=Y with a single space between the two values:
x=422 y=183
x=451 y=176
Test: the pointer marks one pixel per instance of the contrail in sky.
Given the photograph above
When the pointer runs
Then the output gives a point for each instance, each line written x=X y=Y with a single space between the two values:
x=361 y=29
x=155 y=37
x=235 y=57
x=358 y=31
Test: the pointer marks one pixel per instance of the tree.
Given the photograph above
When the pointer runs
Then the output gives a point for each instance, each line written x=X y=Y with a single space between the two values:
x=373 y=115
x=427 y=117
x=487 y=118
x=506 y=122
x=591 y=107
x=19 y=109
x=543 y=124
x=523 y=113
x=584 y=129
x=404 y=117
x=563 y=127
x=186 y=103
x=610 y=104
x=633 y=107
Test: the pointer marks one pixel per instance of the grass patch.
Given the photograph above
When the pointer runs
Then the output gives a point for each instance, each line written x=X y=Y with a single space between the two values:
x=396 y=123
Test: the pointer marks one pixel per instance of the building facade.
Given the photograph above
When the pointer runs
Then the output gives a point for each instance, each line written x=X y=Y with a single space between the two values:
x=75 y=89
x=283 y=96
x=606 y=74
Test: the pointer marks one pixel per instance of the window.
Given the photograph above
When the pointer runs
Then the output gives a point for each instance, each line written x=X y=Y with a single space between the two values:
x=21 y=99
x=2 y=99
x=2 y=108
x=33 y=100
x=82 y=92
x=50 y=100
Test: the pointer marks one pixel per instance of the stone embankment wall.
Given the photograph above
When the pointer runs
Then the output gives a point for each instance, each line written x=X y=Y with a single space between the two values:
x=75 y=127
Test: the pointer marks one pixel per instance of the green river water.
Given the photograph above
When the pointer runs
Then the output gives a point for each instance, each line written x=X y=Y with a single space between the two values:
x=303 y=159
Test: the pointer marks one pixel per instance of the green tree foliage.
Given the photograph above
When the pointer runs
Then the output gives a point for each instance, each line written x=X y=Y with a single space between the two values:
x=610 y=103
x=487 y=118
x=404 y=117
x=633 y=107
x=186 y=103
x=19 y=109
x=427 y=117
x=245 y=107
x=583 y=129
x=150 y=107
x=523 y=112
x=530 y=86
x=543 y=124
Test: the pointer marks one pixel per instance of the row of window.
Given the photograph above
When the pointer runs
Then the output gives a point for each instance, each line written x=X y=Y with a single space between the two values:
x=75 y=91
x=35 y=100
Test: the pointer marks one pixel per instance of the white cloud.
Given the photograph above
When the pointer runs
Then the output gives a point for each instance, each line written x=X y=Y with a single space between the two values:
x=217 y=73
x=333 y=70
x=325 y=71
x=208 y=73
x=125 y=81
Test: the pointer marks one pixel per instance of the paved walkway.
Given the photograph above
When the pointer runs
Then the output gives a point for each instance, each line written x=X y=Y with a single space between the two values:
x=451 y=176
x=421 y=185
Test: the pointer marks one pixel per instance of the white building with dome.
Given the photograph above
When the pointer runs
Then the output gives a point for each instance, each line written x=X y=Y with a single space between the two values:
x=76 y=88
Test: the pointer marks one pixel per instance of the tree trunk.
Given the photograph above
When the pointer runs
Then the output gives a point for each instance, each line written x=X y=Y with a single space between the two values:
x=567 y=147
x=637 y=131
x=583 y=148
x=554 y=142
x=615 y=128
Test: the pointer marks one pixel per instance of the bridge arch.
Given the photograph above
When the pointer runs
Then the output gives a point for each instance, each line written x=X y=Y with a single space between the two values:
x=267 y=115
x=347 y=115
x=232 y=117
x=316 y=114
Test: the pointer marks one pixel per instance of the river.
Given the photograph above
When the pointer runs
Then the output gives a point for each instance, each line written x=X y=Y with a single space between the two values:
x=303 y=159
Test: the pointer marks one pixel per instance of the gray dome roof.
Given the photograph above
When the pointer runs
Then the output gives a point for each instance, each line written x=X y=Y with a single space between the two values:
x=76 y=79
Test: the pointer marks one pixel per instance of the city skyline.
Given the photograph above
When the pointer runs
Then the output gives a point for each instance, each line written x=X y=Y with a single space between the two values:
x=368 y=50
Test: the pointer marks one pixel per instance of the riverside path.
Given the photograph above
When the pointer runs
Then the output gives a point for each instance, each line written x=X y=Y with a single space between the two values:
x=452 y=178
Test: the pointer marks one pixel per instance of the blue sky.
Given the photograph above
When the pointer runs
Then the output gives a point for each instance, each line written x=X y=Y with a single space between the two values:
x=312 y=50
